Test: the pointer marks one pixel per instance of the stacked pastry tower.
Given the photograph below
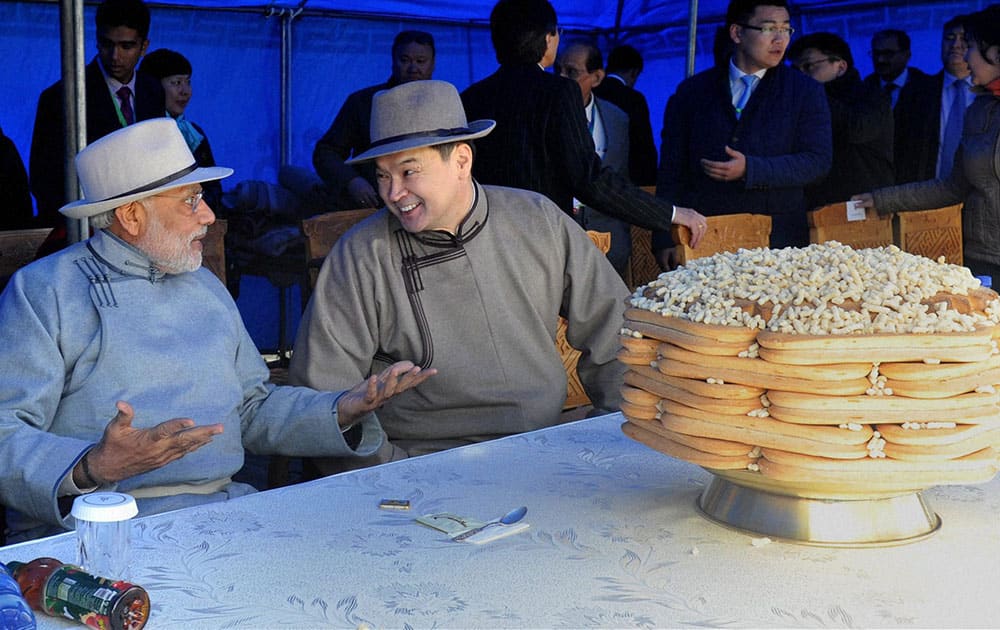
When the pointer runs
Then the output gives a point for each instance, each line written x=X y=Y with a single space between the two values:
x=821 y=371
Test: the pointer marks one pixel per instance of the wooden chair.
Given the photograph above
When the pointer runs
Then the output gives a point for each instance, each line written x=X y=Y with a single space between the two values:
x=321 y=232
x=932 y=233
x=17 y=249
x=213 y=253
x=829 y=223
x=642 y=265
x=575 y=395
x=725 y=233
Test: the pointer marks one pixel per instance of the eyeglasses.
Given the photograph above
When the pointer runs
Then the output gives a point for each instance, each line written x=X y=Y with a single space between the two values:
x=807 y=66
x=193 y=201
x=569 y=72
x=883 y=52
x=770 y=31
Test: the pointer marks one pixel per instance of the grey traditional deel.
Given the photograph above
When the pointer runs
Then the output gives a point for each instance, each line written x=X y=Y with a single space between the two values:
x=419 y=114
x=133 y=163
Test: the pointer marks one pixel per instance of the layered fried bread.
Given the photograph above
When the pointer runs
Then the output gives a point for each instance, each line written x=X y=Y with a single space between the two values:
x=897 y=434
x=851 y=404
x=756 y=373
x=814 y=356
x=648 y=379
x=945 y=388
x=726 y=334
x=675 y=449
x=728 y=448
x=920 y=371
x=765 y=432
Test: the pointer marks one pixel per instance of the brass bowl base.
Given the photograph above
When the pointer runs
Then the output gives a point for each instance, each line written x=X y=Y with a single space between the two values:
x=881 y=520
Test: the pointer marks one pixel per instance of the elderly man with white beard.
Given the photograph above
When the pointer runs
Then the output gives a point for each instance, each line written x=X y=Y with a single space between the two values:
x=126 y=366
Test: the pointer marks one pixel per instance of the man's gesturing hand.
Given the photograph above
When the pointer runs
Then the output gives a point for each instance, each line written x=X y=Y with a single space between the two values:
x=371 y=393
x=125 y=451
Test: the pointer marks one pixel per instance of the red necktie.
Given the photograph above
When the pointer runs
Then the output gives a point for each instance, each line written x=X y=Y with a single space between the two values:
x=125 y=96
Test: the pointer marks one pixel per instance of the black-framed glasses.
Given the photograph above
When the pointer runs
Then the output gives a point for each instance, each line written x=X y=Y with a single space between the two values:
x=807 y=66
x=770 y=30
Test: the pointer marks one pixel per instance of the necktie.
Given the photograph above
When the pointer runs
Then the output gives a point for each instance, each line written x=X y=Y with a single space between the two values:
x=953 y=129
x=748 y=82
x=125 y=97
x=890 y=93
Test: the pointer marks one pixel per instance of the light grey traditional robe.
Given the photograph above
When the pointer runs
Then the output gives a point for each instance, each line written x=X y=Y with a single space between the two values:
x=94 y=324
x=482 y=307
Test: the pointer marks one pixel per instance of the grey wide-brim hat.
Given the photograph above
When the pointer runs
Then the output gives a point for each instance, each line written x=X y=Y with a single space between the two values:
x=133 y=163
x=419 y=114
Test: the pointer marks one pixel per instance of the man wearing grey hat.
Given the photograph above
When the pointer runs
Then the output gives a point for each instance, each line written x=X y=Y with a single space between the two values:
x=465 y=278
x=126 y=365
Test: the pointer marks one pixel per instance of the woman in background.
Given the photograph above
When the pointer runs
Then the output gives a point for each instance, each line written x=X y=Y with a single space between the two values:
x=174 y=72
x=975 y=178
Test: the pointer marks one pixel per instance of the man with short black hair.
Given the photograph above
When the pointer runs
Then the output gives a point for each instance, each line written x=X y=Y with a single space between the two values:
x=861 y=121
x=412 y=60
x=623 y=69
x=541 y=142
x=116 y=96
x=582 y=61
x=747 y=136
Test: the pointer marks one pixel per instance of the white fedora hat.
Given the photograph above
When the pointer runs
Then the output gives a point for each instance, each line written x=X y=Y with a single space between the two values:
x=135 y=162
x=419 y=114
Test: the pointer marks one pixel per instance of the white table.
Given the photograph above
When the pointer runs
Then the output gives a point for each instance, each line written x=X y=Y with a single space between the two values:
x=615 y=541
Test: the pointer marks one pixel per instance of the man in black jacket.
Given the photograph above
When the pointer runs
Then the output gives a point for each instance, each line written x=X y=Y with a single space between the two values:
x=122 y=39
x=412 y=60
x=861 y=121
x=919 y=100
x=618 y=88
x=541 y=141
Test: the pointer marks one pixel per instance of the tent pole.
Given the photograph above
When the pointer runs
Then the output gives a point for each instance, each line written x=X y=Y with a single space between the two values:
x=692 y=37
x=74 y=104
x=286 y=81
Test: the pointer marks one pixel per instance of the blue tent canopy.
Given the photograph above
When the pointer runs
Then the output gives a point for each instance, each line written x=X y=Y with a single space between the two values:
x=241 y=50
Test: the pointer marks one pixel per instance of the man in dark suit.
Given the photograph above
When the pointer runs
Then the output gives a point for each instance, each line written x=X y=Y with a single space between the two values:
x=623 y=70
x=122 y=32
x=919 y=111
x=541 y=141
x=348 y=135
x=747 y=136
x=583 y=62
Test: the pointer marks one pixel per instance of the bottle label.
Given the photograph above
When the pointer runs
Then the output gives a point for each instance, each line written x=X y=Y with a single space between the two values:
x=95 y=601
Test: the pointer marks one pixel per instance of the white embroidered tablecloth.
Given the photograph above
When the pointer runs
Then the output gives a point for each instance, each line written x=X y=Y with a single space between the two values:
x=615 y=541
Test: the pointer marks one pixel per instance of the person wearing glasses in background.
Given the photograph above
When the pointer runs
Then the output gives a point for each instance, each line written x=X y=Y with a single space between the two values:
x=862 y=121
x=127 y=367
x=582 y=61
x=925 y=136
x=975 y=179
x=748 y=135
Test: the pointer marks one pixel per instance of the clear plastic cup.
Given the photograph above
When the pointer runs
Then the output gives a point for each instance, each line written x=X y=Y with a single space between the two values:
x=103 y=533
